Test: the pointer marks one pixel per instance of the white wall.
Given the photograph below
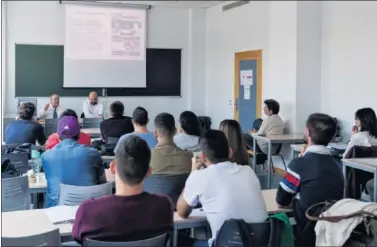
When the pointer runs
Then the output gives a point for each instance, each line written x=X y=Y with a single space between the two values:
x=349 y=59
x=42 y=22
x=241 y=29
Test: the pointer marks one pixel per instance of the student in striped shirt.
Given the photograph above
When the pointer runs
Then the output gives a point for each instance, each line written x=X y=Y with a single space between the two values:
x=314 y=177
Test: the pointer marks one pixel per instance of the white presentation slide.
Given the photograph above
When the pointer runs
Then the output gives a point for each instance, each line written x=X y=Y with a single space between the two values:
x=104 y=46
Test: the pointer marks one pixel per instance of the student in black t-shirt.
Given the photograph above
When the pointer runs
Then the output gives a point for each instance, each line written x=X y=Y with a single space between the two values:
x=117 y=125
x=315 y=177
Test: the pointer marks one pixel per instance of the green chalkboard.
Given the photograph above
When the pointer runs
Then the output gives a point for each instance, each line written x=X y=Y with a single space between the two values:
x=39 y=72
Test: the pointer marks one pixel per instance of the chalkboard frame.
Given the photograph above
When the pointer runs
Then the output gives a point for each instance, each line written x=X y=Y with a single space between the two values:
x=46 y=62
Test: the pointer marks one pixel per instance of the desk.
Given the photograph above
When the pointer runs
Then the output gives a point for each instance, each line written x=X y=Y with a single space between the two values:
x=31 y=222
x=366 y=164
x=274 y=139
x=92 y=132
x=336 y=148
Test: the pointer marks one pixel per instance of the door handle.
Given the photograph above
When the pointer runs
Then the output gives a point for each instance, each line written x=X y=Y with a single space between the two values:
x=236 y=104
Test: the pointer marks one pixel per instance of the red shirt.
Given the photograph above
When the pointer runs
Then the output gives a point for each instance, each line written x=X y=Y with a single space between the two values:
x=123 y=218
x=54 y=139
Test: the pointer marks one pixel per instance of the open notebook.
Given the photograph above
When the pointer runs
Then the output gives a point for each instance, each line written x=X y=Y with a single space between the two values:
x=61 y=214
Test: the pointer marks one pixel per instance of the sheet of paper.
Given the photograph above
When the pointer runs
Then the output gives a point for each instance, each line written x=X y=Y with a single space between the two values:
x=246 y=77
x=60 y=214
x=198 y=212
x=246 y=92
x=338 y=146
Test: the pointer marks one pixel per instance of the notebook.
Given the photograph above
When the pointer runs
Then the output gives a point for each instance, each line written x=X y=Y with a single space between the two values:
x=61 y=214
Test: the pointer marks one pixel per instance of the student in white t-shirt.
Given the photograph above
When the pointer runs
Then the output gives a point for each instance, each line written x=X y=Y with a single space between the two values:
x=224 y=189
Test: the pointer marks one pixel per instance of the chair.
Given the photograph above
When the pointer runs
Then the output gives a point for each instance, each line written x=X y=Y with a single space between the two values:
x=205 y=122
x=238 y=233
x=15 y=194
x=277 y=153
x=51 y=238
x=50 y=126
x=112 y=140
x=19 y=160
x=158 y=241
x=71 y=195
x=91 y=122
x=356 y=179
x=169 y=185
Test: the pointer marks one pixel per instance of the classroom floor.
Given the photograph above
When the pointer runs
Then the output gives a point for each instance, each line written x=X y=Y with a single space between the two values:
x=276 y=179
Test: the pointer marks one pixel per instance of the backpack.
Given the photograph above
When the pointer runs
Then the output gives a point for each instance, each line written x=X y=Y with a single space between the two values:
x=8 y=170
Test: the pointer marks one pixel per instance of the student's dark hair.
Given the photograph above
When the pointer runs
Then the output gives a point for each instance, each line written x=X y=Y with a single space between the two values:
x=117 y=109
x=368 y=120
x=132 y=159
x=322 y=128
x=68 y=113
x=140 y=116
x=189 y=123
x=236 y=141
x=272 y=105
x=214 y=146
x=165 y=124
x=26 y=111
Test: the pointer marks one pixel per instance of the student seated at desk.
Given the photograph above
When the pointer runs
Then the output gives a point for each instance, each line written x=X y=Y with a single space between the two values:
x=233 y=133
x=117 y=125
x=224 y=189
x=315 y=177
x=189 y=132
x=131 y=214
x=167 y=157
x=69 y=162
x=54 y=139
x=25 y=129
x=272 y=125
x=140 y=121
x=364 y=133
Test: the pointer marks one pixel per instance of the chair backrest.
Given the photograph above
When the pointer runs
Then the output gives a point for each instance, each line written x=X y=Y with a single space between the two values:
x=112 y=140
x=91 y=122
x=362 y=152
x=74 y=195
x=19 y=160
x=169 y=185
x=158 y=241
x=50 y=126
x=28 y=100
x=15 y=194
x=238 y=233
x=51 y=238
x=205 y=122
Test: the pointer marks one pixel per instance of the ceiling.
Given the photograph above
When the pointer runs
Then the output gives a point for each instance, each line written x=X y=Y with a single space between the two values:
x=174 y=4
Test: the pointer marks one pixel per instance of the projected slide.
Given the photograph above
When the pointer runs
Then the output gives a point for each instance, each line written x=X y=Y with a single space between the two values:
x=105 y=33
x=104 y=47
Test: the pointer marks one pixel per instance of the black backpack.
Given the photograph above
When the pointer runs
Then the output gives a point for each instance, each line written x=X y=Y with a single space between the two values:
x=8 y=170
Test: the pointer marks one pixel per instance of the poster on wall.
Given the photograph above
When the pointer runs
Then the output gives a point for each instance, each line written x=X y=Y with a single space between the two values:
x=246 y=77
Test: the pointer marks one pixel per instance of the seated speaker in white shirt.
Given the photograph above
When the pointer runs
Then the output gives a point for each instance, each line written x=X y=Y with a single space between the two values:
x=51 y=110
x=92 y=108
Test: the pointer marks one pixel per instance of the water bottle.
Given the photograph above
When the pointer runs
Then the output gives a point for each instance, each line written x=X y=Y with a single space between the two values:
x=36 y=163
